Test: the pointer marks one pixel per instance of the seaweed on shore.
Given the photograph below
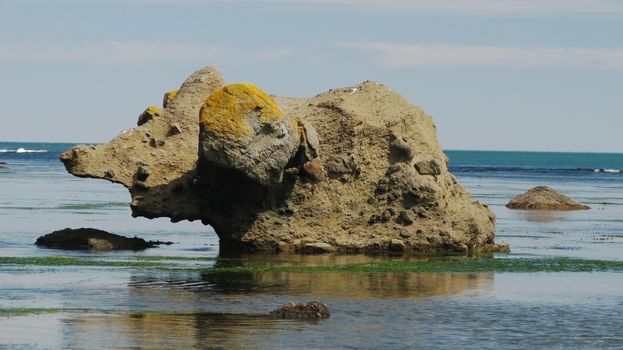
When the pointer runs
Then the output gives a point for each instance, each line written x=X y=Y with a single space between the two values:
x=455 y=265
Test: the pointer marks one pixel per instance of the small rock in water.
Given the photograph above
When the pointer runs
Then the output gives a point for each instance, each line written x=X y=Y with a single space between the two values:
x=311 y=310
x=544 y=198
x=90 y=238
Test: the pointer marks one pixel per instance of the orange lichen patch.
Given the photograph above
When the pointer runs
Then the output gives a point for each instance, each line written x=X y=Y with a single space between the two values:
x=168 y=97
x=226 y=109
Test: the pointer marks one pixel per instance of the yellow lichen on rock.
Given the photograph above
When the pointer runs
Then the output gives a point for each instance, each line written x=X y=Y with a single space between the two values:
x=149 y=114
x=168 y=97
x=152 y=110
x=226 y=110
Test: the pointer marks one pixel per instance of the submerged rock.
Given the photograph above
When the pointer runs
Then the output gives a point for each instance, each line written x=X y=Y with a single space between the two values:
x=544 y=198
x=90 y=238
x=311 y=310
x=294 y=174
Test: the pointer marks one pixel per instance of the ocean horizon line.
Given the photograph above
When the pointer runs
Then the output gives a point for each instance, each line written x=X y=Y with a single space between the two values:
x=444 y=149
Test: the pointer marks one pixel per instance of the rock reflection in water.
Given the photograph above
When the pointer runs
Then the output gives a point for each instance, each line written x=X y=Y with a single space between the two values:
x=320 y=284
x=246 y=298
x=171 y=331
x=543 y=216
x=350 y=284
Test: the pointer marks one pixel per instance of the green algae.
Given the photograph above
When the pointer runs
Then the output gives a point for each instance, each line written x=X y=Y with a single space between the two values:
x=74 y=261
x=453 y=266
x=15 y=312
x=174 y=258
x=442 y=265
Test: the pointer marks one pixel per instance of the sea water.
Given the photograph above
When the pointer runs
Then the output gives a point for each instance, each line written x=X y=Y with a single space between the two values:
x=560 y=287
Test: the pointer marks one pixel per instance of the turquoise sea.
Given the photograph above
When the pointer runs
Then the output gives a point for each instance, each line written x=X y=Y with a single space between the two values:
x=561 y=287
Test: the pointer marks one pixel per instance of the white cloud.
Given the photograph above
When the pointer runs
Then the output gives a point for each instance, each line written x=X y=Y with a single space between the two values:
x=428 y=6
x=443 y=55
x=134 y=52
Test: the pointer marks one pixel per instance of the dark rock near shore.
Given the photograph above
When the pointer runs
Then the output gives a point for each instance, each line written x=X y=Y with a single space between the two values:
x=93 y=239
x=544 y=198
x=311 y=310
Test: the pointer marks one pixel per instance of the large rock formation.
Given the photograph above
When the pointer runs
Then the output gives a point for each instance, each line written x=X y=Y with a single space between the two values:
x=544 y=198
x=364 y=171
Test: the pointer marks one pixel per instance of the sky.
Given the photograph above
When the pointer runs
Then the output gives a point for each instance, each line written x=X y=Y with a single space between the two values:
x=535 y=75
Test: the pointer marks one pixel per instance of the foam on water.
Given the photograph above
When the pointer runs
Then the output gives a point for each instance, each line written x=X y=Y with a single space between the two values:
x=23 y=150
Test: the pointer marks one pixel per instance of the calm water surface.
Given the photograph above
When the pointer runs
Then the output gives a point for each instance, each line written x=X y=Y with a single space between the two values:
x=170 y=297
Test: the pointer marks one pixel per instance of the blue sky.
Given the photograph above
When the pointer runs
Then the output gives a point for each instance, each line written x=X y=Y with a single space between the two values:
x=494 y=74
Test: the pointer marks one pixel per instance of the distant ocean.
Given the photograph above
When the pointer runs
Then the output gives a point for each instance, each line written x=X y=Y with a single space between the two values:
x=133 y=307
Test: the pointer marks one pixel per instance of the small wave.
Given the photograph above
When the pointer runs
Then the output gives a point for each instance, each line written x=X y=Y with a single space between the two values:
x=23 y=150
x=91 y=206
x=529 y=170
x=605 y=170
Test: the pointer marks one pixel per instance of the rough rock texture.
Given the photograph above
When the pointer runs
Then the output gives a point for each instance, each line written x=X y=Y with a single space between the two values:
x=369 y=175
x=90 y=238
x=241 y=128
x=544 y=198
x=311 y=310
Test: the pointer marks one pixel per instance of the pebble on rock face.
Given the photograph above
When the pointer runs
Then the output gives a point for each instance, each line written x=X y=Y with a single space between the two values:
x=174 y=130
x=317 y=248
x=400 y=151
x=428 y=167
x=314 y=170
x=386 y=215
x=405 y=234
x=396 y=245
x=142 y=173
x=407 y=217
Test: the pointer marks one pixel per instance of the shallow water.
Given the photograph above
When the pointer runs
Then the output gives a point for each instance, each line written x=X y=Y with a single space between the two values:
x=187 y=296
